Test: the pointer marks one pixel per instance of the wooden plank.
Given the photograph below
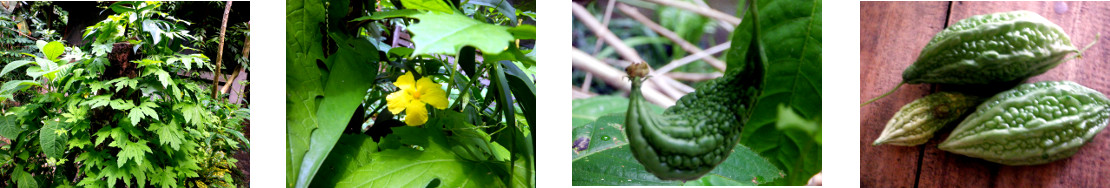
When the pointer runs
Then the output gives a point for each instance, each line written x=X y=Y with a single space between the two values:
x=891 y=36
x=1082 y=21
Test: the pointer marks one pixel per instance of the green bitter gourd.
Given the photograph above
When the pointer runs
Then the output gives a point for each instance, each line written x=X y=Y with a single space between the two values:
x=992 y=48
x=916 y=122
x=698 y=133
x=1032 y=124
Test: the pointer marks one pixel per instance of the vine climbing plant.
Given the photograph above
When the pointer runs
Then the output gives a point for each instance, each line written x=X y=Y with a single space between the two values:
x=124 y=110
x=410 y=93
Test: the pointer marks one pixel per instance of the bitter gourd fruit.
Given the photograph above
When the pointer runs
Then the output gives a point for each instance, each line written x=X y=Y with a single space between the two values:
x=992 y=48
x=916 y=122
x=1031 y=124
x=696 y=134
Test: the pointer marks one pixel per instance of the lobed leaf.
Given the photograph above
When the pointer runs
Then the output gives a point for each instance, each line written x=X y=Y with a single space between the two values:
x=441 y=33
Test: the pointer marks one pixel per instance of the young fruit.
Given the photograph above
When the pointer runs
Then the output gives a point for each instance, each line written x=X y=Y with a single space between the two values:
x=1032 y=124
x=916 y=122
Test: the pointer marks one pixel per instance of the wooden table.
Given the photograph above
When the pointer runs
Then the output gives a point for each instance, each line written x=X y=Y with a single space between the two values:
x=891 y=36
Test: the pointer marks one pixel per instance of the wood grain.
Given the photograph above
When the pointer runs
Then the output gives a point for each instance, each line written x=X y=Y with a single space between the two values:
x=884 y=33
x=891 y=36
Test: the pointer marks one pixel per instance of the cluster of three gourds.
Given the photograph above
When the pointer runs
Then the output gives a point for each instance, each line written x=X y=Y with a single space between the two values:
x=1033 y=123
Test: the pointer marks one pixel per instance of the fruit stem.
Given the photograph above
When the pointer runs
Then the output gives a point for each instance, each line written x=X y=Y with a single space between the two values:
x=884 y=95
x=1080 y=53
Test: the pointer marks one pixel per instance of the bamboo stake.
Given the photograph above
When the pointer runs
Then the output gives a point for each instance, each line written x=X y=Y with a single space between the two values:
x=686 y=45
x=220 y=51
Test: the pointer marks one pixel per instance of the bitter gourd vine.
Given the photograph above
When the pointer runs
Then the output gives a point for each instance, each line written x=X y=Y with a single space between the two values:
x=992 y=48
x=696 y=134
x=1032 y=124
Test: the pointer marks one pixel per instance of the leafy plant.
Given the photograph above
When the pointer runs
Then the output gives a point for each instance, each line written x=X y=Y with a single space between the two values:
x=353 y=83
x=118 y=115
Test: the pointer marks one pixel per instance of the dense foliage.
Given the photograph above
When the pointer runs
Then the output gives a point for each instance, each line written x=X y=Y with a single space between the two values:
x=125 y=109
x=370 y=106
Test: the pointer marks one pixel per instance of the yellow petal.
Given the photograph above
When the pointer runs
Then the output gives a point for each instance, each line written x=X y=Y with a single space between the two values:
x=405 y=82
x=397 y=101
x=431 y=93
x=416 y=114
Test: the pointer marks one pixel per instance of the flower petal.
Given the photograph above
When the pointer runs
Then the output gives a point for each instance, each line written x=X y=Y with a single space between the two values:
x=416 y=114
x=431 y=93
x=397 y=101
x=405 y=82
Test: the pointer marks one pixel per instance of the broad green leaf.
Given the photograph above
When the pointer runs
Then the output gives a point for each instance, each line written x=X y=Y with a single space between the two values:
x=52 y=50
x=97 y=101
x=303 y=80
x=432 y=5
x=790 y=35
x=135 y=151
x=168 y=134
x=523 y=32
x=194 y=114
x=10 y=126
x=23 y=178
x=408 y=167
x=351 y=153
x=13 y=65
x=607 y=161
x=53 y=137
x=440 y=33
x=120 y=104
x=510 y=54
x=164 y=77
x=388 y=14
x=353 y=73
x=17 y=85
x=587 y=110
x=151 y=26
x=503 y=6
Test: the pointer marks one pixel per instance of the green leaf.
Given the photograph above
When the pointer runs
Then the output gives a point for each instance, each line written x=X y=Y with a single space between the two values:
x=168 y=134
x=439 y=33
x=523 y=89
x=151 y=26
x=53 y=137
x=388 y=14
x=606 y=160
x=523 y=32
x=136 y=151
x=432 y=5
x=10 y=127
x=519 y=142
x=120 y=104
x=17 y=85
x=408 y=167
x=351 y=153
x=503 y=6
x=52 y=50
x=98 y=101
x=303 y=80
x=584 y=111
x=353 y=73
x=194 y=114
x=790 y=35
x=144 y=109
x=13 y=65
x=23 y=178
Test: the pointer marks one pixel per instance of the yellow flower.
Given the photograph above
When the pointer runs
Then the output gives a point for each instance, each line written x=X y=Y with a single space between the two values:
x=413 y=95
